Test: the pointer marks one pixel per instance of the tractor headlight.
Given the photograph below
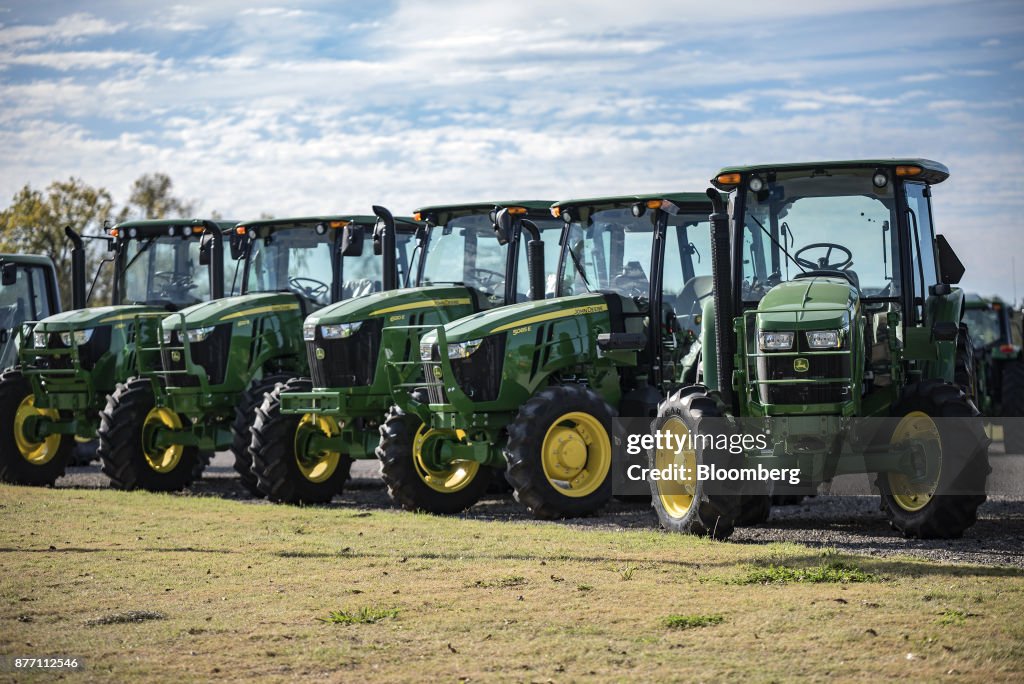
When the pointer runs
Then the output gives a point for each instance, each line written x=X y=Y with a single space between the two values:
x=309 y=331
x=776 y=341
x=199 y=334
x=463 y=350
x=823 y=339
x=40 y=339
x=81 y=337
x=426 y=349
x=167 y=335
x=339 y=331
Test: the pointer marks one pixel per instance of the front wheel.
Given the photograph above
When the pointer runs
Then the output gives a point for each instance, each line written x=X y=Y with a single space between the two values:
x=284 y=468
x=242 y=425
x=559 y=452
x=414 y=482
x=943 y=434
x=683 y=501
x=23 y=459
x=129 y=426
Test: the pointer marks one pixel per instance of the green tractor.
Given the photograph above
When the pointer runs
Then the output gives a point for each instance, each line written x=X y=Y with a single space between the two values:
x=198 y=387
x=831 y=342
x=534 y=387
x=69 y=362
x=475 y=257
x=1000 y=363
x=28 y=292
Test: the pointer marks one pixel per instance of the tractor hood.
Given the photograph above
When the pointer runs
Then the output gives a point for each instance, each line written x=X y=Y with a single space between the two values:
x=525 y=313
x=397 y=302
x=83 y=319
x=231 y=309
x=819 y=303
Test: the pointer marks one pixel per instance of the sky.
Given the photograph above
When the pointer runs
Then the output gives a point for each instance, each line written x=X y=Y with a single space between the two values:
x=299 y=108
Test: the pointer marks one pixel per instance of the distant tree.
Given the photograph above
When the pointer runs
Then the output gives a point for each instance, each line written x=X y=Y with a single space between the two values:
x=34 y=224
x=151 y=198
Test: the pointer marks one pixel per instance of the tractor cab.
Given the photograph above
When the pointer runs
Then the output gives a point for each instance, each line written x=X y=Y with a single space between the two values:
x=28 y=292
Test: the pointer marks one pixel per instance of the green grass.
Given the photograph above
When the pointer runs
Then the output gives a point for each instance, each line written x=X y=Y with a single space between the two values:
x=367 y=615
x=279 y=593
x=691 y=621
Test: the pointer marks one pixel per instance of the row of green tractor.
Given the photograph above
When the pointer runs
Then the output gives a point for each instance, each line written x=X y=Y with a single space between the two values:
x=812 y=304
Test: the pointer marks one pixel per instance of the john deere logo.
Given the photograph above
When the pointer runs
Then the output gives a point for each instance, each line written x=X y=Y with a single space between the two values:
x=175 y=356
x=801 y=365
x=437 y=372
x=320 y=354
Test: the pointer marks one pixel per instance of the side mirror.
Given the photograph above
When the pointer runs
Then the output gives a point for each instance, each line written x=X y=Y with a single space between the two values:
x=352 y=239
x=10 y=273
x=503 y=226
x=236 y=244
x=205 y=248
x=111 y=244
x=950 y=266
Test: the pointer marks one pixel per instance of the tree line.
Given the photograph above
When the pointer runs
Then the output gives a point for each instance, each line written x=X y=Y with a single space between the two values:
x=34 y=221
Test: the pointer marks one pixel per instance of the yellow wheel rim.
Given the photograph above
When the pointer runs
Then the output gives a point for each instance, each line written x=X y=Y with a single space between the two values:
x=676 y=496
x=455 y=477
x=913 y=494
x=166 y=459
x=576 y=454
x=36 y=453
x=319 y=468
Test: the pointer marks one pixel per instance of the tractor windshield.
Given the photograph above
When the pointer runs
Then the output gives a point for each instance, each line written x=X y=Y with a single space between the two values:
x=298 y=260
x=466 y=250
x=832 y=222
x=985 y=325
x=364 y=274
x=612 y=252
x=165 y=271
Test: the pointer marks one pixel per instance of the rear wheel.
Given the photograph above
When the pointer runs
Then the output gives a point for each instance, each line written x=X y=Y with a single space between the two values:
x=949 y=452
x=129 y=426
x=283 y=467
x=241 y=428
x=1013 y=406
x=413 y=483
x=559 y=452
x=23 y=459
x=687 y=503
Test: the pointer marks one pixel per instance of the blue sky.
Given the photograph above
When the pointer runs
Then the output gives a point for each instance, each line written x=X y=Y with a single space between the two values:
x=309 y=107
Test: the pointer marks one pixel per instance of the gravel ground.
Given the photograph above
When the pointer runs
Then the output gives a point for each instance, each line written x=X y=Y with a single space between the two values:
x=848 y=523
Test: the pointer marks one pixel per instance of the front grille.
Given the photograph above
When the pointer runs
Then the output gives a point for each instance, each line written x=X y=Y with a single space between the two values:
x=346 y=362
x=88 y=353
x=780 y=367
x=479 y=376
x=211 y=354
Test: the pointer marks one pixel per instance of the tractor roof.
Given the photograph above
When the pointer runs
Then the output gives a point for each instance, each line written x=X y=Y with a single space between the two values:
x=443 y=213
x=27 y=259
x=166 y=223
x=976 y=301
x=931 y=171
x=698 y=201
x=401 y=222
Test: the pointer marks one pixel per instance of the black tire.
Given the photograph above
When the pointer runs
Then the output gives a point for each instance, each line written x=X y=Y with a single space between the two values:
x=241 y=428
x=499 y=484
x=525 y=448
x=755 y=509
x=1013 y=406
x=48 y=458
x=951 y=507
x=121 y=449
x=275 y=465
x=406 y=487
x=714 y=508
x=965 y=369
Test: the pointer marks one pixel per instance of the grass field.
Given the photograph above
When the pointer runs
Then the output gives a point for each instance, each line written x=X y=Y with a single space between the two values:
x=185 y=588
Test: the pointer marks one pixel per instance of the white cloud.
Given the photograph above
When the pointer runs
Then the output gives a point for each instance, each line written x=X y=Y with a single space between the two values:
x=922 y=78
x=69 y=60
x=66 y=29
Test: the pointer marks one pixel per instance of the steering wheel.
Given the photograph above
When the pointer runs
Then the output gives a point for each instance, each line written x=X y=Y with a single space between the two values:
x=315 y=291
x=823 y=264
x=486 y=278
x=173 y=280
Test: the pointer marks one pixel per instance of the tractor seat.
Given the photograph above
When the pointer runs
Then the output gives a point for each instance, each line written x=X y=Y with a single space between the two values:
x=849 y=275
x=691 y=298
